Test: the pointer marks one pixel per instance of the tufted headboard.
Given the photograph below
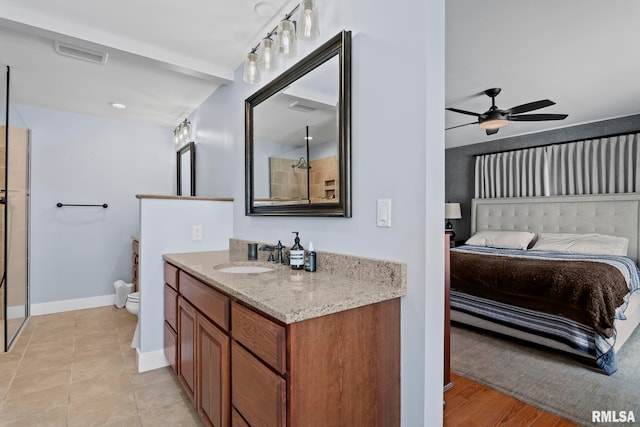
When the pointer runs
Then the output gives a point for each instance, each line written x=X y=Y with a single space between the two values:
x=614 y=214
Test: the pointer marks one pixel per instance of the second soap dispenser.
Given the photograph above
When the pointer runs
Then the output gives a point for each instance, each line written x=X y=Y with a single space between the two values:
x=296 y=254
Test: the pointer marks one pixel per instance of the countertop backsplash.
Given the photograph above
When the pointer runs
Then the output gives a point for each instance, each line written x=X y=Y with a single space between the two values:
x=348 y=266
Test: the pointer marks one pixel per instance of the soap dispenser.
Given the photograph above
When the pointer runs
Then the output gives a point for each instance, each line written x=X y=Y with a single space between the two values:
x=296 y=254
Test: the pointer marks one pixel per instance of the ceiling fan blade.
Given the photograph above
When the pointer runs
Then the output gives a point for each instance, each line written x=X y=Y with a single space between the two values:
x=470 y=113
x=492 y=131
x=458 y=126
x=537 y=117
x=536 y=105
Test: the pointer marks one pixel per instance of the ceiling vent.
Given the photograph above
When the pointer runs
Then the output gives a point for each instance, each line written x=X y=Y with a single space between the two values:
x=81 y=53
x=297 y=106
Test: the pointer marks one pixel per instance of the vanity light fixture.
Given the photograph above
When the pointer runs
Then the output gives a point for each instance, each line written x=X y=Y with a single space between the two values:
x=262 y=56
x=182 y=133
x=118 y=105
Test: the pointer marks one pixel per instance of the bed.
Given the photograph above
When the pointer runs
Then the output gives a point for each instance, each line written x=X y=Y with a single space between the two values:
x=509 y=309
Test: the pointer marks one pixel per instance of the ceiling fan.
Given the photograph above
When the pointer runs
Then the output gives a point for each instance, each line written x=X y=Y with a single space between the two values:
x=494 y=118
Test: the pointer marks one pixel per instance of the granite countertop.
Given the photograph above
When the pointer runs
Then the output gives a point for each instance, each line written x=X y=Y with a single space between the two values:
x=287 y=295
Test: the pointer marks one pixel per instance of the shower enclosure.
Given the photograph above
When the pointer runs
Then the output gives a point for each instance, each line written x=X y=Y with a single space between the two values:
x=14 y=218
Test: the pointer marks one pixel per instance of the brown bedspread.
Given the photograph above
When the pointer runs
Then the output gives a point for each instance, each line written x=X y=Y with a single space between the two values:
x=585 y=291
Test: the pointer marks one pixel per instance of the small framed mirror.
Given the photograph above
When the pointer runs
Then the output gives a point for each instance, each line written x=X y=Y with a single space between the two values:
x=186 y=170
x=298 y=137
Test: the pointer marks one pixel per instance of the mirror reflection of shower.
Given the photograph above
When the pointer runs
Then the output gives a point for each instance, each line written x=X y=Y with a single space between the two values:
x=302 y=163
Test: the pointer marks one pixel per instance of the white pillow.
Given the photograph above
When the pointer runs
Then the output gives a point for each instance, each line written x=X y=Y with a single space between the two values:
x=590 y=243
x=502 y=239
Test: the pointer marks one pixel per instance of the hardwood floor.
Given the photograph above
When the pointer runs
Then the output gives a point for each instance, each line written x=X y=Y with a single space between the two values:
x=472 y=404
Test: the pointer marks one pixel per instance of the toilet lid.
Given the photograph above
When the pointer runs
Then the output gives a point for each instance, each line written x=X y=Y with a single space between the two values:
x=134 y=296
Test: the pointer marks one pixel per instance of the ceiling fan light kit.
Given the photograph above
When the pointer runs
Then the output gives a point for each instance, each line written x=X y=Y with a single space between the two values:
x=495 y=118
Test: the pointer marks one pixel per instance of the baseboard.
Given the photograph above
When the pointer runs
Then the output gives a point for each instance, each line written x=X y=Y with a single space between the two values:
x=151 y=360
x=71 y=304
x=16 y=312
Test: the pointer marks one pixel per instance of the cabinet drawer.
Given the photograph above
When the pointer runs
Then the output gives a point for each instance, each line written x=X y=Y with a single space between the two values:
x=266 y=339
x=210 y=302
x=170 y=306
x=171 y=275
x=256 y=392
x=170 y=346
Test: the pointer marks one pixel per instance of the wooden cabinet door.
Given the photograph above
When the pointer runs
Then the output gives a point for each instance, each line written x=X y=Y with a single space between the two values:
x=212 y=361
x=170 y=346
x=187 y=346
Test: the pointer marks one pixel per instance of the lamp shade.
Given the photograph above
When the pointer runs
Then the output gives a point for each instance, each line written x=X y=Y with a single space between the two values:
x=452 y=211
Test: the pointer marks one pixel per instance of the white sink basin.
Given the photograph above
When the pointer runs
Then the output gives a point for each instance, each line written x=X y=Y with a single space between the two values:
x=245 y=269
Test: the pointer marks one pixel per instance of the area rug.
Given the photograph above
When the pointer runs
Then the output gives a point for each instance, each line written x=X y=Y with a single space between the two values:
x=548 y=379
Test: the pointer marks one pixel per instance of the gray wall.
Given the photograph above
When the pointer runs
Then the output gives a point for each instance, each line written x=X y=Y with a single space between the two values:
x=459 y=161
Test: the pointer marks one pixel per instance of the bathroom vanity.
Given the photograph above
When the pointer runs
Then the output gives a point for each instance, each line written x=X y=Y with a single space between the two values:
x=284 y=348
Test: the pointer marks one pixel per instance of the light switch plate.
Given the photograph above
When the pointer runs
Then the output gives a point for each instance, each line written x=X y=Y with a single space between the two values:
x=383 y=213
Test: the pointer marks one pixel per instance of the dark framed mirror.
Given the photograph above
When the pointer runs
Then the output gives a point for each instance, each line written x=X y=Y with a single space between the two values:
x=298 y=137
x=186 y=170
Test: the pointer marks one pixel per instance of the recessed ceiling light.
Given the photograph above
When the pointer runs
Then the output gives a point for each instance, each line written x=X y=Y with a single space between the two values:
x=117 y=105
x=265 y=9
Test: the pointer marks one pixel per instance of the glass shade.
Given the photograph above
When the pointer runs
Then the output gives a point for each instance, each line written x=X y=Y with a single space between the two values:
x=180 y=133
x=494 y=124
x=308 y=27
x=186 y=130
x=286 y=40
x=251 y=73
x=267 y=55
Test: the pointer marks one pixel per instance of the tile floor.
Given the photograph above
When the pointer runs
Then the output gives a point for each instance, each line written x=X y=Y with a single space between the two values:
x=78 y=369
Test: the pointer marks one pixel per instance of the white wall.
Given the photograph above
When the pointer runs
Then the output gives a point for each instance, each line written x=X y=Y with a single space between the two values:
x=78 y=252
x=398 y=148
x=166 y=227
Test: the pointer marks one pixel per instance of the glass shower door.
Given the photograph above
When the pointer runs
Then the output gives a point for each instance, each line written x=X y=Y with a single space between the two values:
x=14 y=224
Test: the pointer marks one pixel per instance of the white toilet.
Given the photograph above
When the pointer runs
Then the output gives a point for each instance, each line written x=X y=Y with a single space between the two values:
x=133 y=306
